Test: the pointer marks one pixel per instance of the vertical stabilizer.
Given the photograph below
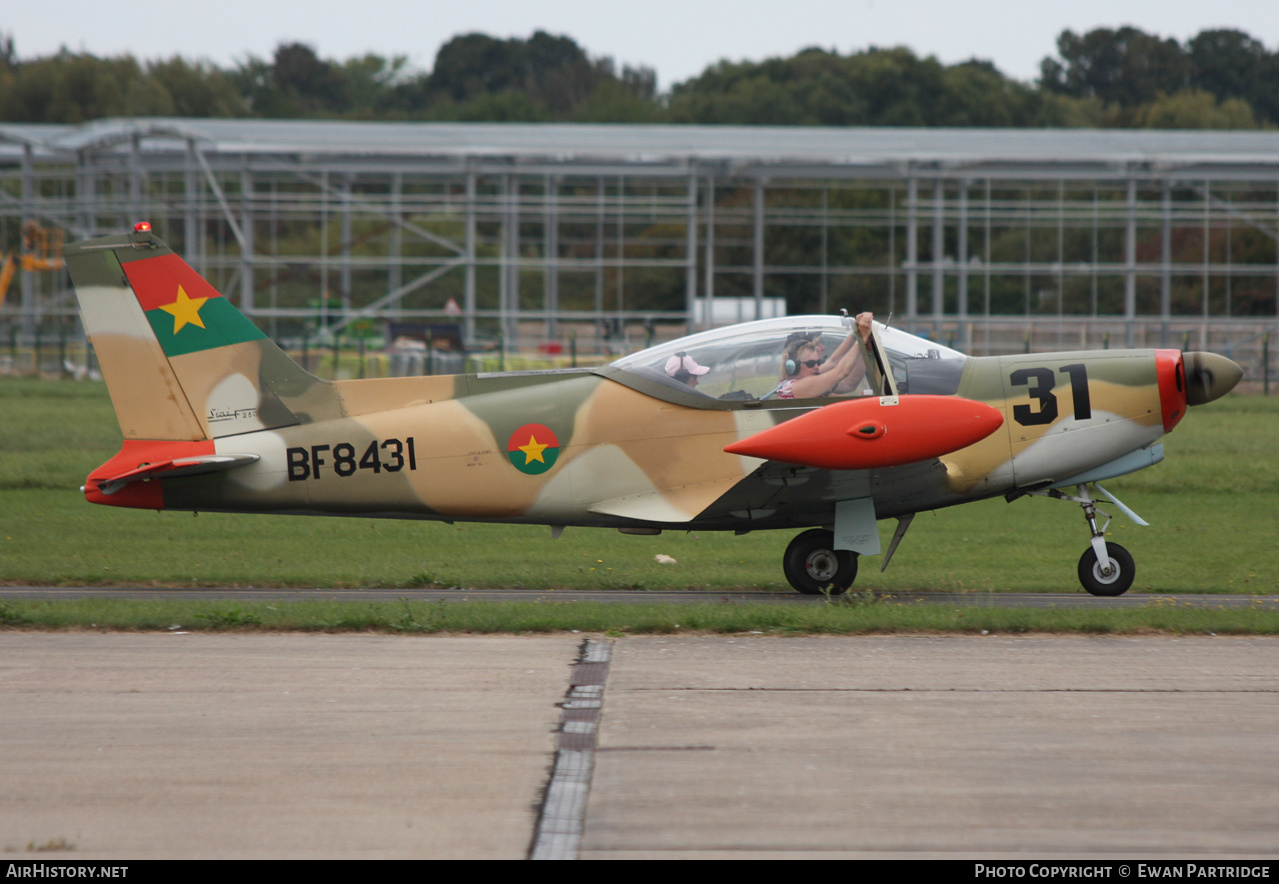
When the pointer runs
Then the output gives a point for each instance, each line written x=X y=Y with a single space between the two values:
x=180 y=361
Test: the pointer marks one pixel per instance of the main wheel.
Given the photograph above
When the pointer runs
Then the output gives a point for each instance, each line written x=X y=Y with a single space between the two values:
x=1117 y=582
x=812 y=563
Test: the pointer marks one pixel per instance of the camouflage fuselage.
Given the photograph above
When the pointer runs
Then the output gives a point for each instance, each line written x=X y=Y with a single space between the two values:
x=604 y=453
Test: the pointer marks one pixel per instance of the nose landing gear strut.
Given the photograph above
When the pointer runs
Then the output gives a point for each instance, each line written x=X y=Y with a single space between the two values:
x=1105 y=569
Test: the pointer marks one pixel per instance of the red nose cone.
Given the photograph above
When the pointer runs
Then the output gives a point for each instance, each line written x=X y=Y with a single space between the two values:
x=1171 y=371
x=860 y=434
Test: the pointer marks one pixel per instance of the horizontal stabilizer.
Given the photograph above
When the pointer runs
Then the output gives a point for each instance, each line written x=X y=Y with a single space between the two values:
x=875 y=432
x=124 y=480
x=170 y=469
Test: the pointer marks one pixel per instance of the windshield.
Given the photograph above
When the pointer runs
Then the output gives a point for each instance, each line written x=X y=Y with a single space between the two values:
x=798 y=357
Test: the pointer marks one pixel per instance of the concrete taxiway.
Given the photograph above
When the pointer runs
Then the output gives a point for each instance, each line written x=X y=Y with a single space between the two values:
x=135 y=746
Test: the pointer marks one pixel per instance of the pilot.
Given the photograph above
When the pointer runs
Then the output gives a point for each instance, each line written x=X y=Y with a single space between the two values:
x=807 y=373
x=684 y=368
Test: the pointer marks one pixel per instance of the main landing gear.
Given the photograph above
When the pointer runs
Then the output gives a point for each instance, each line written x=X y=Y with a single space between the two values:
x=812 y=564
x=1105 y=569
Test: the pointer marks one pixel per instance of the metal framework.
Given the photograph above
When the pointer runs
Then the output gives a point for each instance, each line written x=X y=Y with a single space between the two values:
x=991 y=239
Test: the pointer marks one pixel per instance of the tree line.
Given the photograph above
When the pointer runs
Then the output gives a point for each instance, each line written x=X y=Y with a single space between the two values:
x=1124 y=77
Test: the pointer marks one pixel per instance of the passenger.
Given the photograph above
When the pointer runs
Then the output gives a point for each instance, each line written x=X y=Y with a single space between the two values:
x=807 y=374
x=684 y=368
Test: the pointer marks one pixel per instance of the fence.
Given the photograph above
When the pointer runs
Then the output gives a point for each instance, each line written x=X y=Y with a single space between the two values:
x=62 y=351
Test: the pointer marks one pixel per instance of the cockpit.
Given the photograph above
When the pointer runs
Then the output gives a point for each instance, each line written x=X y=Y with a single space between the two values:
x=788 y=358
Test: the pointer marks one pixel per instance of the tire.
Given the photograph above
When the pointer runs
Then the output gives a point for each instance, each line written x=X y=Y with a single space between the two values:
x=812 y=564
x=1116 y=583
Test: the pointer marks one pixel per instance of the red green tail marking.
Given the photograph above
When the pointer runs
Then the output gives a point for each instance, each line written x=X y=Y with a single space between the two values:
x=186 y=313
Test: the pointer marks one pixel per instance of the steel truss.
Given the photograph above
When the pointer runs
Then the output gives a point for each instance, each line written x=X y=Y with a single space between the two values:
x=528 y=233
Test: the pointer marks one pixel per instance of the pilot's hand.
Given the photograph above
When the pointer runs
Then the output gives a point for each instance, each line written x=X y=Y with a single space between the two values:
x=863 y=326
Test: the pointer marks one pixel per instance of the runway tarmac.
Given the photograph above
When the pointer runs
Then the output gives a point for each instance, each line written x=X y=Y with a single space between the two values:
x=132 y=746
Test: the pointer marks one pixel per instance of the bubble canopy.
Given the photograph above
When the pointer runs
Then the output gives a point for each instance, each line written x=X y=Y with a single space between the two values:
x=748 y=361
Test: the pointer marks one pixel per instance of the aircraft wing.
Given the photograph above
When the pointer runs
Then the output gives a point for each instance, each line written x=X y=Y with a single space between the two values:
x=672 y=505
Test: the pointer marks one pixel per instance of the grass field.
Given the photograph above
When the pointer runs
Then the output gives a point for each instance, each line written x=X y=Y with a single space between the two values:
x=851 y=615
x=1212 y=506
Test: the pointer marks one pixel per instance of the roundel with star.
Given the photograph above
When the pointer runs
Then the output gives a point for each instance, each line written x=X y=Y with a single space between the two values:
x=533 y=449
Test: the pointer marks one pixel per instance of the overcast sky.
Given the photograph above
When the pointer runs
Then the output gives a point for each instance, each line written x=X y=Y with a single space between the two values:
x=678 y=38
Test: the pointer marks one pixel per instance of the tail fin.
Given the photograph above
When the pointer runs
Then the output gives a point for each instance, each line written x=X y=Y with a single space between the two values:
x=180 y=362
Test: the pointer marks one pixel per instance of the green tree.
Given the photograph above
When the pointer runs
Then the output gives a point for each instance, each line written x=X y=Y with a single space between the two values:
x=614 y=101
x=296 y=83
x=1231 y=64
x=76 y=88
x=307 y=83
x=1225 y=62
x=509 y=106
x=1195 y=109
x=1221 y=78
x=888 y=87
x=546 y=77
x=551 y=71
x=197 y=89
x=369 y=81
x=977 y=94
x=1126 y=66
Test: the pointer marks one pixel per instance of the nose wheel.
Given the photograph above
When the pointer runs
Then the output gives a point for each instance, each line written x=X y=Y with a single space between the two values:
x=812 y=564
x=1107 y=581
x=1105 y=569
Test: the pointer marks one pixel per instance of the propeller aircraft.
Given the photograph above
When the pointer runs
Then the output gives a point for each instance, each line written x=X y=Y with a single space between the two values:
x=744 y=428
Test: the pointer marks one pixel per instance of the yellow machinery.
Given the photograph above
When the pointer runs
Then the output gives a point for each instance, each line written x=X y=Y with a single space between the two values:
x=41 y=250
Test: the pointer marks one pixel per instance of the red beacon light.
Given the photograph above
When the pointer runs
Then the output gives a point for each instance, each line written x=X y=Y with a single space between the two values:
x=142 y=233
